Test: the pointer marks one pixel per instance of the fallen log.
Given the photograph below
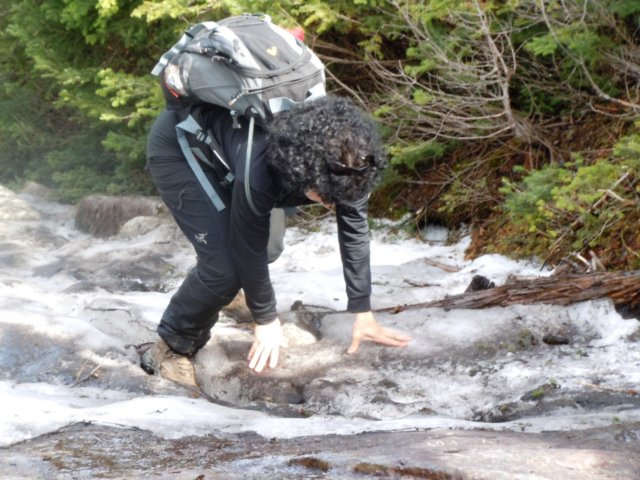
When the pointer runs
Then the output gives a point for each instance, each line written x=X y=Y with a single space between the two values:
x=623 y=288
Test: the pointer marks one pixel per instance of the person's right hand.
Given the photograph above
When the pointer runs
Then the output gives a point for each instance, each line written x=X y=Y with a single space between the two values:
x=266 y=346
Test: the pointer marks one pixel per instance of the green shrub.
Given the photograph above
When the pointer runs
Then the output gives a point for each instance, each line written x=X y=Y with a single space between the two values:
x=578 y=207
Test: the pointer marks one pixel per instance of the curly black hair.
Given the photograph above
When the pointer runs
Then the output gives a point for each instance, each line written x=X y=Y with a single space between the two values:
x=328 y=145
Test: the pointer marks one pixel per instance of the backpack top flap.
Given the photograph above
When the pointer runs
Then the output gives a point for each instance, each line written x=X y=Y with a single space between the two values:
x=274 y=51
x=244 y=63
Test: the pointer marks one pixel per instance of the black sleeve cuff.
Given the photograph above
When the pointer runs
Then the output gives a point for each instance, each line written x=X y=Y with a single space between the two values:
x=359 y=305
x=264 y=319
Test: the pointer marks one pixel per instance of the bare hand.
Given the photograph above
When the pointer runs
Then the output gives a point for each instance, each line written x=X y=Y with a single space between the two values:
x=266 y=346
x=367 y=328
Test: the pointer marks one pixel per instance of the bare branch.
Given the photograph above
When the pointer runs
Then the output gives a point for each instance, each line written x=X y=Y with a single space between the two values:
x=465 y=95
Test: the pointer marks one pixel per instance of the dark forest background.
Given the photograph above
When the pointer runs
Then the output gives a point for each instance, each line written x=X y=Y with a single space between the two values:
x=518 y=119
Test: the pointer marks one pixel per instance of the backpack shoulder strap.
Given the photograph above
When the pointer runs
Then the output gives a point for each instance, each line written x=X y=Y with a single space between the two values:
x=191 y=125
x=247 y=167
x=181 y=129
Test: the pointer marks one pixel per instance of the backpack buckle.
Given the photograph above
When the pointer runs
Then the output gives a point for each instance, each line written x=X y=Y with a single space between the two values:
x=202 y=137
x=234 y=116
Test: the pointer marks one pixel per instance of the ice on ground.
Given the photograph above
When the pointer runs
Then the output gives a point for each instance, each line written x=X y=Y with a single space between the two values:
x=72 y=307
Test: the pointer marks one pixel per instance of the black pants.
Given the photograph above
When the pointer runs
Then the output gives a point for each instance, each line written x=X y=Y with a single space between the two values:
x=210 y=285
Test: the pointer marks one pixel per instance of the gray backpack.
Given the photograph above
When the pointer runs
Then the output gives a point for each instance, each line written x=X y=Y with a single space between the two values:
x=245 y=64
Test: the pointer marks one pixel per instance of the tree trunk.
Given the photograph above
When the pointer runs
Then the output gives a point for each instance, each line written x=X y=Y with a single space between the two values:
x=622 y=287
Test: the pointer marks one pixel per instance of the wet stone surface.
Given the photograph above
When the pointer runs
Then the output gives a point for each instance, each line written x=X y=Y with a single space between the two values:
x=85 y=451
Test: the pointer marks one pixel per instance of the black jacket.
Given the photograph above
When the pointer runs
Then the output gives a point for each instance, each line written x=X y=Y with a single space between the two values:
x=249 y=232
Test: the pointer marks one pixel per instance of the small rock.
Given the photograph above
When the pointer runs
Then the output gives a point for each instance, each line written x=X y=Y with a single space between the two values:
x=478 y=282
x=298 y=336
x=551 y=339
x=628 y=311
x=139 y=226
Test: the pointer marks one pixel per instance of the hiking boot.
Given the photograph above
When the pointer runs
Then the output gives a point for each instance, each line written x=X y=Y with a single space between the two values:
x=161 y=360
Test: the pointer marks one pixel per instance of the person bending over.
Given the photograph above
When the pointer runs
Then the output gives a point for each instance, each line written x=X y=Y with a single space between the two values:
x=327 y=150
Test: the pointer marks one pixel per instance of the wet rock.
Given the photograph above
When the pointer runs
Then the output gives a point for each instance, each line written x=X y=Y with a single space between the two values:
x=100 y=451
x=551 y=397
x=232 y=382
x=143 y=271
x=539 y=393
x=27 y=356
x=119 y=319
x=223 y=374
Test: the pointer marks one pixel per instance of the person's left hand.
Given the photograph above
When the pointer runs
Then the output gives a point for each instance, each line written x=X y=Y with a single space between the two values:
x=266 y=346
x=367 y=328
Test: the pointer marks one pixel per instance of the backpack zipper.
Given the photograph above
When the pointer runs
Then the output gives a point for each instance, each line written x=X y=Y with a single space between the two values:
x=251 y=91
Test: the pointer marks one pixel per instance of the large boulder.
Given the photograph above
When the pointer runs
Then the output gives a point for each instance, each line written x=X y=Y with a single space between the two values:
x=103 y=216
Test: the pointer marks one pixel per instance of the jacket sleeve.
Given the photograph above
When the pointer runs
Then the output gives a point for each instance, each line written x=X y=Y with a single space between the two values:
x=249 y=237
x=353 y=236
